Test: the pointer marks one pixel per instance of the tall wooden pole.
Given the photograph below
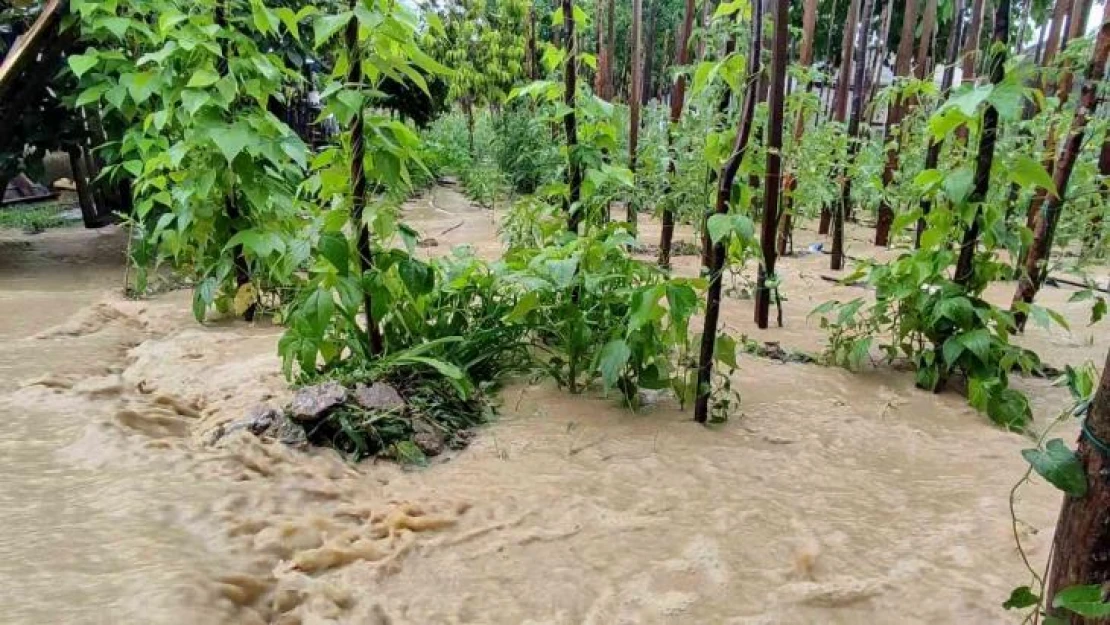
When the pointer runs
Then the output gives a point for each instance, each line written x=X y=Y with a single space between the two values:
x=1036 y=262
x=894 y=120
x=1081 y=546
x=359 y=185
x=637 y=89
x=724 y=193
x=840 y=97
x=836 y=262
x=678 y=100
x=932 y=155
x=570 y=121
x=773 y=180
x=790 y=184
x=965 y=265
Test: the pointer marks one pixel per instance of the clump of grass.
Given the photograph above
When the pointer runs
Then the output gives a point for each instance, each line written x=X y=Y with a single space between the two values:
x=436 y=416
x=33 y=218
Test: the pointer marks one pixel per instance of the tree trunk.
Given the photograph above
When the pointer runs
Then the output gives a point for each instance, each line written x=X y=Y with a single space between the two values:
x=637 y=88
x=611 y=48
x=965 y=265
x=533 y=67
x=1081 y=545
x=1063 y=90
x=89 y=213
x=572 y=202
x=894 y=118
x=1093 y=236
x=840 y=98
x=790 y=184
x=358 y=188
x=875 y=73
x=837 y=260
x=648 y=61
x=773 y=181
x=971 y=48
x=704 y=23
x=724 y=193
x=678 y=100
x=925 y=45
x=932 y=156
x=1036 y=262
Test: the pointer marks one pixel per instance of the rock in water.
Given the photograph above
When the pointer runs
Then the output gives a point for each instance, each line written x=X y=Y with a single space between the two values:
x=259 y=419
x=313 y=402
x=431 y=443
x=379 y=396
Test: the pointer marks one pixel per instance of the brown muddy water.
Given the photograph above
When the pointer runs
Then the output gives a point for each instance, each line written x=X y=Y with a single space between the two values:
x=829 y=497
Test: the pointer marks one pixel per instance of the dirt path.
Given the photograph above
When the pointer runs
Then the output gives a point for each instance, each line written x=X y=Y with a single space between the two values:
x=829 y=497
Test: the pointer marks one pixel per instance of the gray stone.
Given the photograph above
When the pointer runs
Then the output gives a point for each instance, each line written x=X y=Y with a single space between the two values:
x=314 y=402
x=289 y=433
x=379 y=396
x=431 y=443
x=429 y=242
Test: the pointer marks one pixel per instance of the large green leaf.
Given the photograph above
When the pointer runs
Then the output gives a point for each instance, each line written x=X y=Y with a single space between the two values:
x=325 y=26
x=612 y=361
x=1028 y=173
x=1060 y=466
x=80 y=64
x=232 y=140
x=1083 y=600
x=202 y=78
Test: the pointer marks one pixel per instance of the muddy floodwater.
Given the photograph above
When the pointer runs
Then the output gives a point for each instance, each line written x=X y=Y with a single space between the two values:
x=829 y=497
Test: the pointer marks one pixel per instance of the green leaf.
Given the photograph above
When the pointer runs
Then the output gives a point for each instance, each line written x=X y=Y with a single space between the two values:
x=1059 y=465
x=1098 y=310
x=952 y=350
x=978 y=342
x=1030 y=174
x=116 y=25
x=334 y=247
x=203 y=296
x=80 y=64
x=957 y=185
x=682 y=300
x=719 y=227
x=529 y=302
x=193 y=100
x=1082 y=600
x=92 y=94
x=728 y=8
x=325 y=26
x=1021 y=597
x=969 y=101
x=202 y=78
x=231 y=140
x=724 y=351
x=417 y=276
x=287 y=17
x=612 y=361
x=318 y=310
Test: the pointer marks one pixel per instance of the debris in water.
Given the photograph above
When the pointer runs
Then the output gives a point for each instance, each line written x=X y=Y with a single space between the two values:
x=378 y=396
x=313 y=402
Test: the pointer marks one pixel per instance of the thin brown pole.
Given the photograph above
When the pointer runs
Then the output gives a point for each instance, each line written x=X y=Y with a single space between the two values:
x=636 y=93
x=790 y=184
x=965 y=266
x=1081 y=546
x=724 y=193
x=840 y=98
x=359 y=185
x=678 y=100
x=570 y=121
x=772 y=187
x=1036 y=262
x=837 y=260
x=894 y=120
x=932 y=156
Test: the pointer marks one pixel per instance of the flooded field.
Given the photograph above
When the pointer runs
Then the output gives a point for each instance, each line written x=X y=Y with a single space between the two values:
x=829 y=497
